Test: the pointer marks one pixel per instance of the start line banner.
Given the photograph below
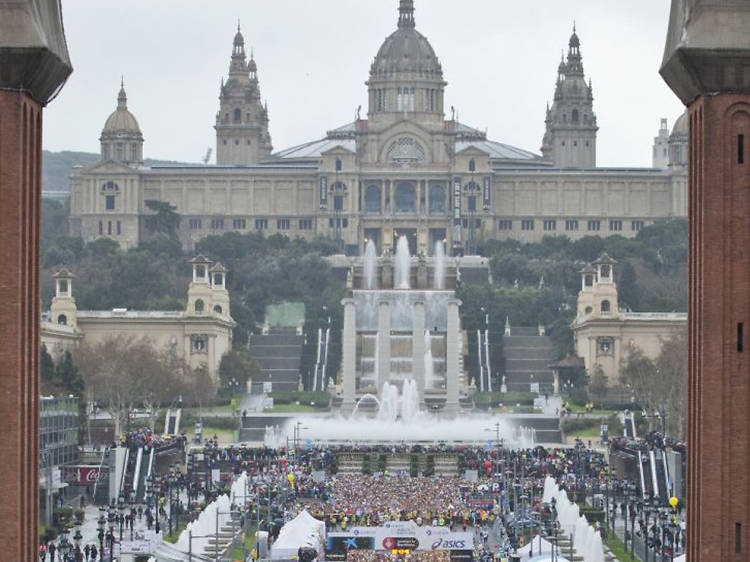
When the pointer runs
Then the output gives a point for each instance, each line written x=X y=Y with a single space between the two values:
x=398 y=535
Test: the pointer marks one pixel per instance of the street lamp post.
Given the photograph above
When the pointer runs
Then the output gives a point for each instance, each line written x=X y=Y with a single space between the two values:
x=77 y=542
x=100 y=526
x=111 y=524
x=121 y=512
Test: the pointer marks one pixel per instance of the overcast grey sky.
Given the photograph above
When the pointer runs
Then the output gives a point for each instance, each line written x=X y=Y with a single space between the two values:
x=499 y=57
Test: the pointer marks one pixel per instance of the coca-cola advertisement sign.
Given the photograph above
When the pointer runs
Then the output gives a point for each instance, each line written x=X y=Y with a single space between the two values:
x=81 y=475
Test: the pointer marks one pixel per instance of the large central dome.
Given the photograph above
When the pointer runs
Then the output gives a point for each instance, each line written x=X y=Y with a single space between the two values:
x=406 y=50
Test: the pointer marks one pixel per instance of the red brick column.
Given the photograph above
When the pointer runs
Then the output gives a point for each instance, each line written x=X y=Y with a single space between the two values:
x=20 y=191
x=719 y=324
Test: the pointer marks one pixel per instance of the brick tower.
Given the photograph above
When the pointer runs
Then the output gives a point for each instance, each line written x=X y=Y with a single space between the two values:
x=707 y=64
x=35 y=64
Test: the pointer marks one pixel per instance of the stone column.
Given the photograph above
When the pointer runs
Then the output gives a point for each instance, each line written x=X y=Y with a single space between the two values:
x=349 y=352
x=34 y=62
x=452 y=364
x=418 y=346
x=384 y=343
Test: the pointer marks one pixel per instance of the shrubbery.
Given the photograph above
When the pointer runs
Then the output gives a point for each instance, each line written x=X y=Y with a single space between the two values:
x=315 y=399
x=486 y=400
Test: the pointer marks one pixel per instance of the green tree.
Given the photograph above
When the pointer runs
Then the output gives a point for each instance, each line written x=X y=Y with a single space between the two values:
x=238 y=365
x=166 y=219
x=598 y=384
x=69 y=376
x=47 y=373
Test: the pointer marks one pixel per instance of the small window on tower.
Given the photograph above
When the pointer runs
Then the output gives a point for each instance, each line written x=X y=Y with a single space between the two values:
x=237 y=116
x=575 y=116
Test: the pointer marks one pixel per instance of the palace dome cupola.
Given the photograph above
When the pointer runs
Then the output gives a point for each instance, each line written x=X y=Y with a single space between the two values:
x=406 y=75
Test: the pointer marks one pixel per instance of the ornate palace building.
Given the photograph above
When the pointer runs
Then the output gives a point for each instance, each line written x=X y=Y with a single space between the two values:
x=201 y=334
x=404 y=168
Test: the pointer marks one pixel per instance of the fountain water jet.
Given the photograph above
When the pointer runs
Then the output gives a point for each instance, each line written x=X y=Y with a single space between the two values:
x=439 y=281
x=403 y=264
x=371 y=266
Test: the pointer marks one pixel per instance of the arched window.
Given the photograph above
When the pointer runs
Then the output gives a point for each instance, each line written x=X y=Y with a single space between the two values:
x=405 y=198
x=372 y=199
x=217 y=309
x=62 y=320
x=237 y=115
x=200 y=305
x=606 y=307
x=575 y=116
x=437 y=198
x=406 y=149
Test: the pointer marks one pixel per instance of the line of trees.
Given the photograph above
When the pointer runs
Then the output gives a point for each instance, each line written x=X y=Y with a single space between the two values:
x=660 y=385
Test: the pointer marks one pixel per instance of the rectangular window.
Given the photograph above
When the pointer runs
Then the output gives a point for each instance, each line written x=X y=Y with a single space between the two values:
x=305 y=224
x=239 y=224
x=282 y=224
x=505 y=224
x=338 y=203
x=195 y=224
x=550 y=225
x=101 y=228
x=571 y=225
x=527 y=225
x=217 y=224
x=261 y=224
x=741 y=149
x=472 y=203
x=109 y=228
x=595 y=226
x=740 y=337
x=615 y=226
x=109 y=202
x=637 y=226
x=119 y=228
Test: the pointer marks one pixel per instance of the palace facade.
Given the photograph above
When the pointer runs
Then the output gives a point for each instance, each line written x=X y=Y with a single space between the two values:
x=200 y=335
x=403 y=168
x=604 y=334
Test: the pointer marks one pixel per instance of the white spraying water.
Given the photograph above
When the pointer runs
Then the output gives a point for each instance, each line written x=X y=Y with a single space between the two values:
x=439 y=266
x=399 y=407
x=424 y=427
x=403 y=264
x=371 y=266
x=429 y=362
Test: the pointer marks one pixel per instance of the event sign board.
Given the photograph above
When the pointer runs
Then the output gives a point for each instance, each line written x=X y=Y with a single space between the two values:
x=399 y=535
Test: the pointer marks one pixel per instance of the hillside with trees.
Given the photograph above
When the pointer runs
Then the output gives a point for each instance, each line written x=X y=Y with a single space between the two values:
x=530 y=283
x=56 y=167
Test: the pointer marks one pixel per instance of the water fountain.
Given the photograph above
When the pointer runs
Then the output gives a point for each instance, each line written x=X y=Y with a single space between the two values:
x=439 y=273
x=371 y=266
x=403 y=265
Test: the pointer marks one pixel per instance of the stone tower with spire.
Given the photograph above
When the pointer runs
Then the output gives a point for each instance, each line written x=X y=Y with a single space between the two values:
x=570 y=137
x=242 y=135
